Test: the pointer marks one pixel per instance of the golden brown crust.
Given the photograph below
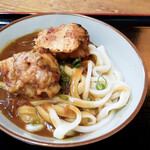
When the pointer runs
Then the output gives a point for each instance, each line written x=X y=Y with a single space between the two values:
x=64 y=39
x=31 y=73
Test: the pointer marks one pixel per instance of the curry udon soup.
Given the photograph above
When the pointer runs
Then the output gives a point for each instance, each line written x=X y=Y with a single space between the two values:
x=91 y=90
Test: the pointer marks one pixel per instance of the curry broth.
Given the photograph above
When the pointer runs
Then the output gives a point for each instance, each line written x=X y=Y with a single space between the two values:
x=9 y=102
x=24 y=43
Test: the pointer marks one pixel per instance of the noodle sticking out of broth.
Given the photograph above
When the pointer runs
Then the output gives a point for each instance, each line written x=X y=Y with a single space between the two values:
x=94 y=98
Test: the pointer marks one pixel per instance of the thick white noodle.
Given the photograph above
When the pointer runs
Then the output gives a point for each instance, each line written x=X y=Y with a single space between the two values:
x=106 y=103
x=96 y=126
x=98 y=70
x=85 y=104
x=54 y=117
x=63 y=128
x=114 y=74
x=87 y=80
x=123 y=99
x=81 y=85
x=88 y=115
x=96 y=52
x=100 y=93
x=32 y=128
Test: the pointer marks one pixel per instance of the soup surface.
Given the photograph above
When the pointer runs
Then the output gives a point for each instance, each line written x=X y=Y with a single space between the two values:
x=56 y=83
x=9 y=102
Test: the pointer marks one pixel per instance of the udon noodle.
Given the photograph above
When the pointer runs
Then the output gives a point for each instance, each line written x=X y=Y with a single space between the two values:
x=92 y=102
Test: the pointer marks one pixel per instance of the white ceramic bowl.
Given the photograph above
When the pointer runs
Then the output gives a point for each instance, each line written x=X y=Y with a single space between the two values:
x=123 y=54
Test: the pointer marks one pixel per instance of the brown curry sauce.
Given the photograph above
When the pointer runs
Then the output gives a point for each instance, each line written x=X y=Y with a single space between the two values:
x=9 y=103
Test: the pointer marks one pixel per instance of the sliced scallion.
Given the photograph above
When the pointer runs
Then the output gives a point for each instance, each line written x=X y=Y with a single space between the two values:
x=76 y=63
x=101 y=86
x=35 y=122
x=64 y=97
x=65 y=77
x=89 y=99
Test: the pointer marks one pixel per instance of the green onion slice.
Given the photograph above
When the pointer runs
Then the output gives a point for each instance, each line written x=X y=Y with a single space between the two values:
x=76 y=61
x=101 y=86
x=64 y=97
x=35 y=122
x=77 y=65
x=65 y=77
x=89 y=99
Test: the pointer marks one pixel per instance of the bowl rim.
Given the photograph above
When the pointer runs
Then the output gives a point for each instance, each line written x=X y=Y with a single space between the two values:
x=36 y=142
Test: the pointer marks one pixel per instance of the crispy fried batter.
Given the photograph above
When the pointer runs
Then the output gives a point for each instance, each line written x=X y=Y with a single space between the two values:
x=71 y=39
x=31 y=73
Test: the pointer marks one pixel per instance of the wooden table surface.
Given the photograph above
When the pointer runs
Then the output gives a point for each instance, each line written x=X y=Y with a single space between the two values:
x=134 y=7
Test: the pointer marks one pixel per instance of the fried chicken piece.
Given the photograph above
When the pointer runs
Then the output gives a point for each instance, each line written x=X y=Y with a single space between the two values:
x=31 y=73
x=69 y=40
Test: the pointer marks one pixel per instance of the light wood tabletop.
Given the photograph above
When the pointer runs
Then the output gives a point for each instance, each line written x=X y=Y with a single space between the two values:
x=134 y=7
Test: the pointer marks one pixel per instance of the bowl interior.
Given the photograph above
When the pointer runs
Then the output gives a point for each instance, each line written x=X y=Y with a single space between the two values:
x=121 y=52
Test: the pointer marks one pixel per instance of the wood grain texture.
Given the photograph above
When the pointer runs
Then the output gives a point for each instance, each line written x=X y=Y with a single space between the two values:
x=77 y=6
x=143 y=45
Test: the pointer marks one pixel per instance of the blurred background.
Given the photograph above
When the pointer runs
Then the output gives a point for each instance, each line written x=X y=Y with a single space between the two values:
x=77 y=6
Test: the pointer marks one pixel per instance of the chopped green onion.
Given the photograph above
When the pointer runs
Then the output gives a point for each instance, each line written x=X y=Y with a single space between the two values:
x=101 y=86
x=64 y=97
x=65 y=77
x=77 y=65
x=35 y=122
x=89 y=99
x=76 y=61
